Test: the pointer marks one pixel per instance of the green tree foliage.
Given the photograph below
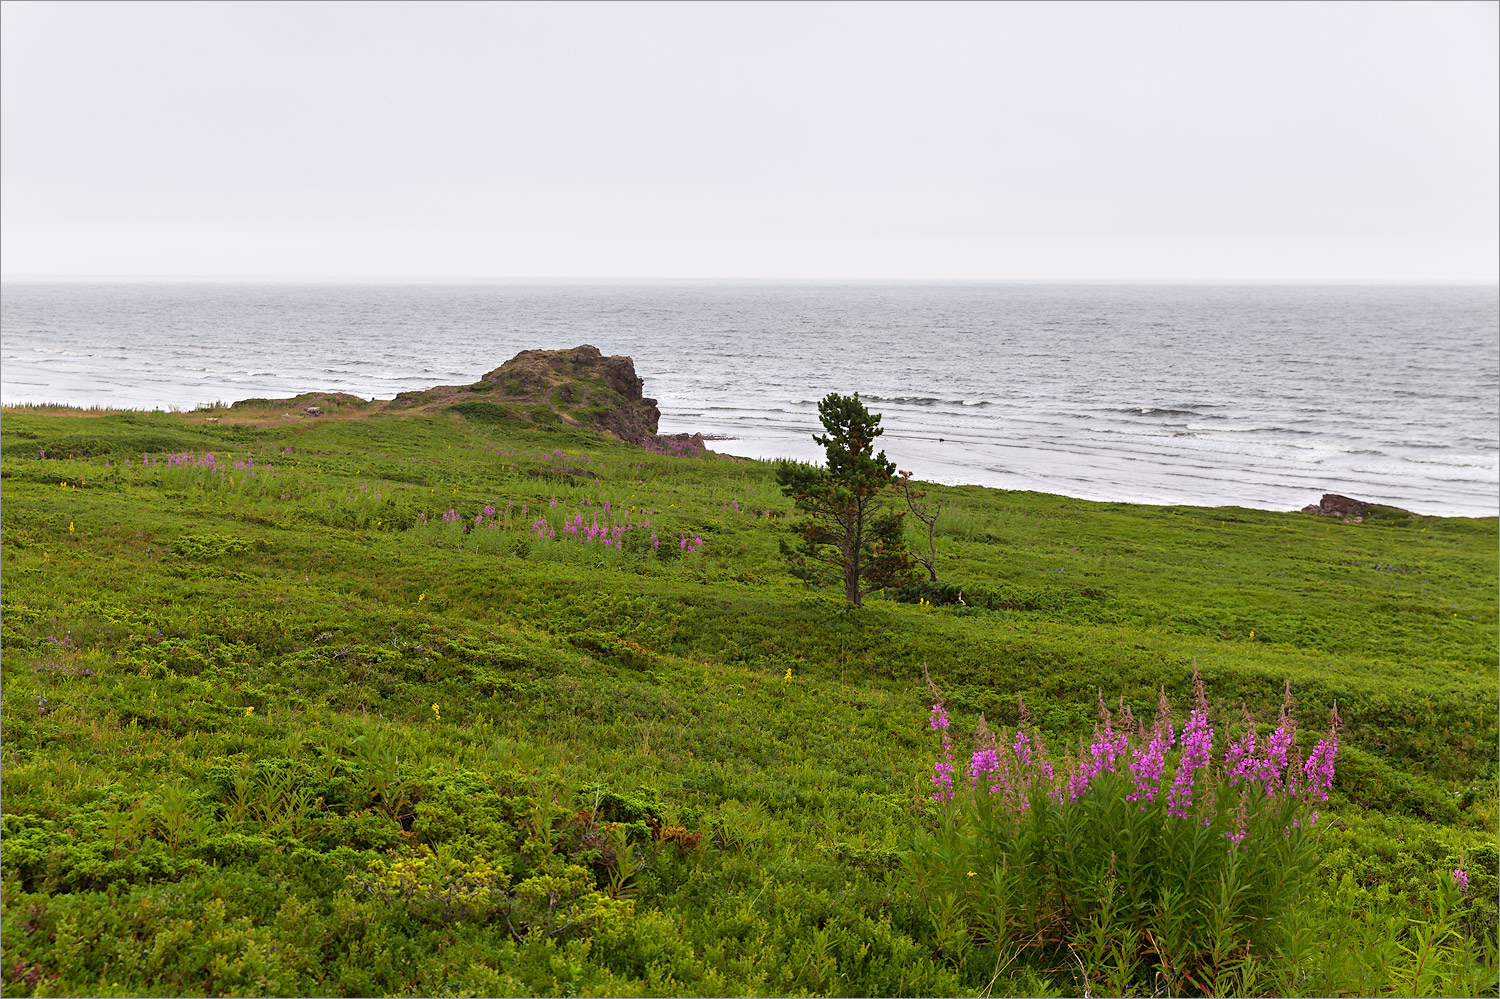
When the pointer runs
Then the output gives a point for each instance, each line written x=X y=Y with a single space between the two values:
x=845 y=529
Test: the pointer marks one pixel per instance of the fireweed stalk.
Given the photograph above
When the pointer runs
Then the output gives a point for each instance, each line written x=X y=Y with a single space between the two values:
x=942 y=776
x=1274 y=767
x=1178 y=850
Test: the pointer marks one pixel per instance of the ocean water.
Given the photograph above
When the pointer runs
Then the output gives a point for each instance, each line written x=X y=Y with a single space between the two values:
x=1247 y=395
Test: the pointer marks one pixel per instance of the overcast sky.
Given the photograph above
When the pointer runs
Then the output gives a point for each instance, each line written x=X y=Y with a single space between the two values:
x=1302 y=142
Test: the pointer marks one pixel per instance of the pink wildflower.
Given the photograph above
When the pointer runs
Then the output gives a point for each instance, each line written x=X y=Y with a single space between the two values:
x=1318 y=770
x=1197 y=752
x=1148 y=762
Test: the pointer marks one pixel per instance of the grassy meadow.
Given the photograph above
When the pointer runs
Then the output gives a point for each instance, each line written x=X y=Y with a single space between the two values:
x=358 y=707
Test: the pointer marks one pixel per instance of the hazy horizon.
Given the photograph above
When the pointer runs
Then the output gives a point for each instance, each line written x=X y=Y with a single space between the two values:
x=668 y=281
x=1312 y=143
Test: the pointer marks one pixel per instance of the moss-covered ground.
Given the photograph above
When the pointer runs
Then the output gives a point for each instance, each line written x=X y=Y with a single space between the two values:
x=275 y=725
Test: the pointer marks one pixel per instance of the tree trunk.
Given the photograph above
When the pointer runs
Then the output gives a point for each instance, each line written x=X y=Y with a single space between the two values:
x=932 y=550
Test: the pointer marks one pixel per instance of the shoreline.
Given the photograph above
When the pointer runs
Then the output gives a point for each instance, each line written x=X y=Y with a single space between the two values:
x=963 y=461
x=1162 y=395
x=930 y=459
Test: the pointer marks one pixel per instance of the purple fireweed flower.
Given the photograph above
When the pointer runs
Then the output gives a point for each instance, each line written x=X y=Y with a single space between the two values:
x=986 y=757
x=1080 y=773
x=1113 y=742
x=1317 y=775
x=1021 y=748
x=983 y=763
x=942 y=773
x=990 y=760
x=1107 y=747
x=1146 y=767
x=1148 y=762
x=1197 y=752
x=1240 y=758
x=1013 y=781
x=1271 y=768
x=938 y=719
x=1461 y=879
x=1102 y=754
x=942 y=770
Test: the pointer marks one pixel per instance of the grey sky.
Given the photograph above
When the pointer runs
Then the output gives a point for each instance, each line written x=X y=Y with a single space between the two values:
x=1011 y=142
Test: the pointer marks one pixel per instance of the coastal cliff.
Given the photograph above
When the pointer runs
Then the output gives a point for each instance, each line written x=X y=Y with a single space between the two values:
x=578 y=387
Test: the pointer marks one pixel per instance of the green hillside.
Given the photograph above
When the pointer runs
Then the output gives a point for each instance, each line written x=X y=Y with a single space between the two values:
x=357 y=707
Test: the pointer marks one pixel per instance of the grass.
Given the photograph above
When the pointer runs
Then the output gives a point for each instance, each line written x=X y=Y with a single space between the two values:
x=649 y=770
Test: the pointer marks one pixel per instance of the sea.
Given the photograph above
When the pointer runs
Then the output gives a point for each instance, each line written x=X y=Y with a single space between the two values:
x=1246 y=395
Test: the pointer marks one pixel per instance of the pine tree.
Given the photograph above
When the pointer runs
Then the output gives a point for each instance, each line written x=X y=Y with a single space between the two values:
x=846 y=530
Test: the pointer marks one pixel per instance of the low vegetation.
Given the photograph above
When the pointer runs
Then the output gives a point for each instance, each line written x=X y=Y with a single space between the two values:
x=433 y=703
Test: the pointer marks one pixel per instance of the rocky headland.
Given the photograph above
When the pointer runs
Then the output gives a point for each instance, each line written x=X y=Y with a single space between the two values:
x=579 y=387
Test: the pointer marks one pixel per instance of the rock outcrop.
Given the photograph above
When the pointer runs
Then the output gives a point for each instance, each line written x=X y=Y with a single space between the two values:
x=1351 y=511
x=573 y=388
x=1338 y=507
x=578 y=387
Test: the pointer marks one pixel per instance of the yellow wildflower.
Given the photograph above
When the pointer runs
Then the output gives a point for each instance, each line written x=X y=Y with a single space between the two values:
x=249 y=711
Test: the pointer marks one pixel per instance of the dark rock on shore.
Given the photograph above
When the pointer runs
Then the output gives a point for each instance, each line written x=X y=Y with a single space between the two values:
x=678 y=445
x=1353 y=511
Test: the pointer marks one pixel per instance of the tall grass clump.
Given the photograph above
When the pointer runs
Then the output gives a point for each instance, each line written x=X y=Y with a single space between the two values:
x=1150 y=856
